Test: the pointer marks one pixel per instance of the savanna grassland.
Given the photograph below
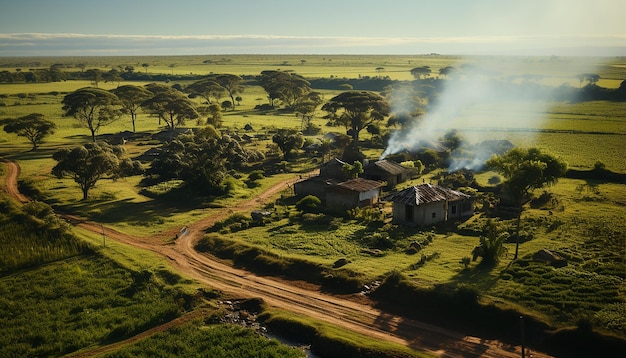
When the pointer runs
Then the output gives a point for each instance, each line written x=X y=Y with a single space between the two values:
x=80 y=295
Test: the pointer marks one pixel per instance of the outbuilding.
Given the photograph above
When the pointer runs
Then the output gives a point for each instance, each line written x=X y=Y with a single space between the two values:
x=354 y=193
x=428 y=204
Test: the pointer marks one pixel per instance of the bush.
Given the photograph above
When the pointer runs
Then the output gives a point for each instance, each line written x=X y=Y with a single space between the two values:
x=309 y=204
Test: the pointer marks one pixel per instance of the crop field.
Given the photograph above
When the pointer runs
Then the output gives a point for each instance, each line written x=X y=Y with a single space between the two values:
x=582 y=220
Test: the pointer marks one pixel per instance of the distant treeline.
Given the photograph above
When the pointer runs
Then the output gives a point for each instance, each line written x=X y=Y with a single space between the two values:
x=428 y=87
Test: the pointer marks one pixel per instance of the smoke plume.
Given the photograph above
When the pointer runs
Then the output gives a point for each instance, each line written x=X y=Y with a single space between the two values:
x=481 y=102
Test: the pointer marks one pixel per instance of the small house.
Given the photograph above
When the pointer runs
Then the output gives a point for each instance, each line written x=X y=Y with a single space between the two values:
x=316 y=185
x=333 y=169
x=354 y=193
x=428 y=204
x=386 y=170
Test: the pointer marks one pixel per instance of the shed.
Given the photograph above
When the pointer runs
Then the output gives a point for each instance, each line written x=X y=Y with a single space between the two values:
x=333 y=169
x=316 y=186
x=428 y=204
x=387 y=171
x=354 y=193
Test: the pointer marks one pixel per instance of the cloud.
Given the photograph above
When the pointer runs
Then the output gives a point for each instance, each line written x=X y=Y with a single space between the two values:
x=69 y=44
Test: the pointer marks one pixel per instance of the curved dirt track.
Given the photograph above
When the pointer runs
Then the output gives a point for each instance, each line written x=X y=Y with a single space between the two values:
x=345 y=313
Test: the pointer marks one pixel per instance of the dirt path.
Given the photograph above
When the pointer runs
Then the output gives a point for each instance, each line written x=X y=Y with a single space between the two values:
x=348 y=314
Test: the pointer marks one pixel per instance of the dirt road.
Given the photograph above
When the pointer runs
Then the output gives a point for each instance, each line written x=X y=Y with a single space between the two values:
x=341 y=312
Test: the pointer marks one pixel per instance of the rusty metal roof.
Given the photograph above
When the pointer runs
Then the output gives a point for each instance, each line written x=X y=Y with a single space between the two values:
x=359 y=185
x=388 y=166
x=424 y=194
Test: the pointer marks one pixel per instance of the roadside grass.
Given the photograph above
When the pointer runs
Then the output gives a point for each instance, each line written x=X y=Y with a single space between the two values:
x=206 y=339
x=326 y=339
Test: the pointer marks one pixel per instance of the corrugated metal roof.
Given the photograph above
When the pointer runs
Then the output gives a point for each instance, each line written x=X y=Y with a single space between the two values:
x=425 y=193
x=359 y=185
x=389 y=167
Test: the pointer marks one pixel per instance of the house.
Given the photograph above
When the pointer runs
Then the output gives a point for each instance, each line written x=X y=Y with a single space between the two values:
x=316 y=185
x=354 y=193
x=387 y=171
x=333 y=169
x=428 y=204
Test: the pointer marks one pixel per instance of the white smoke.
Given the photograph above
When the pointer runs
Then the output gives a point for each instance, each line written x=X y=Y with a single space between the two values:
x=481 y=102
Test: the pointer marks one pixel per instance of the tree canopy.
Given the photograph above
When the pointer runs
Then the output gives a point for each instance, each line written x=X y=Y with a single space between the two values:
x=286 y=86
x=93 y=108
x=171 y=106
x=524 y=170
x=87 y=164
x=288 y=140
x=356 y=110
x=33 y=126
x=131 y=97
x=201 y=160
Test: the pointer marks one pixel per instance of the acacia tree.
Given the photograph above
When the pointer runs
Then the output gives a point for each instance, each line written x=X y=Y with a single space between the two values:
x=525 y=170
x=231 y=84
x=306 y=106
x=131 y=98
x=93 y=108
x=171 y=106
x=33 y=126
x=419 y=72
x=285 y=86
x=87 y=164
x=206 y=88
x=356 y=110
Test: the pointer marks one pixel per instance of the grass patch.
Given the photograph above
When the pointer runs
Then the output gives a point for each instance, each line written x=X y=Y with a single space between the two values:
x=200 y=338
x=329 y=341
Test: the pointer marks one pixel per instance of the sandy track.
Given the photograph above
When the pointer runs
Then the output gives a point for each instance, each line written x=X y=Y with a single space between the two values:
x=348 y=314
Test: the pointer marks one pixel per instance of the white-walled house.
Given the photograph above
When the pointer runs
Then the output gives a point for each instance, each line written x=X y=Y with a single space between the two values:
x=427 y=204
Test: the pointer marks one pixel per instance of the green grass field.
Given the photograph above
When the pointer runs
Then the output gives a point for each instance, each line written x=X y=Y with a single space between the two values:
x=584 y=221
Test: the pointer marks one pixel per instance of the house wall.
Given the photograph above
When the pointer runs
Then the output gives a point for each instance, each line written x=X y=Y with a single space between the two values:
x=311 y=187
x=422 y=214
x=347 y=199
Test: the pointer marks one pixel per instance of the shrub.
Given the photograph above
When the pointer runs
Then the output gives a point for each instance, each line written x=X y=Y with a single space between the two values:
x=309 y=204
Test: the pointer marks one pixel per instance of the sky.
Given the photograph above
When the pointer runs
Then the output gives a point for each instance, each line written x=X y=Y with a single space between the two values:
x=393 y=27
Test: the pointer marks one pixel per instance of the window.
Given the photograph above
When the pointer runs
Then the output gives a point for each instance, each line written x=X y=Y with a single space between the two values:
x=453 y=209
x=434 y=215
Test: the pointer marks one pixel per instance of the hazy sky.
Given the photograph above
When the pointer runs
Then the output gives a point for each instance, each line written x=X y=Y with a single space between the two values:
x=159 y=27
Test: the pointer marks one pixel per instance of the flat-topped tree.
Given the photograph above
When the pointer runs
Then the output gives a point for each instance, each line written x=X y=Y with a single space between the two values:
x=524 y=170
x=93 y=108
x=231 y=84
x=33 y=126
x=356 y=110
x=87 y=164
x=171 y=106
x=131 y=98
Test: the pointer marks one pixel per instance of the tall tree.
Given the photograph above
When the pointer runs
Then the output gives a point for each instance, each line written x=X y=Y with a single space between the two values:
x=356 y=110
x=232 y=84
x=33 y=126
x=286 y=86
x=206 y=88
x=420 y=72
x=93 y=108
x=171 y=106
x=524 y=170
x=306 y=106
x=87 y=164
x=131 y=98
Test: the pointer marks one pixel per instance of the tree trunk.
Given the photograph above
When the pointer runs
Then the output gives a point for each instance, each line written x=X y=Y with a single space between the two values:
x=93 y=135
x=85 y=192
